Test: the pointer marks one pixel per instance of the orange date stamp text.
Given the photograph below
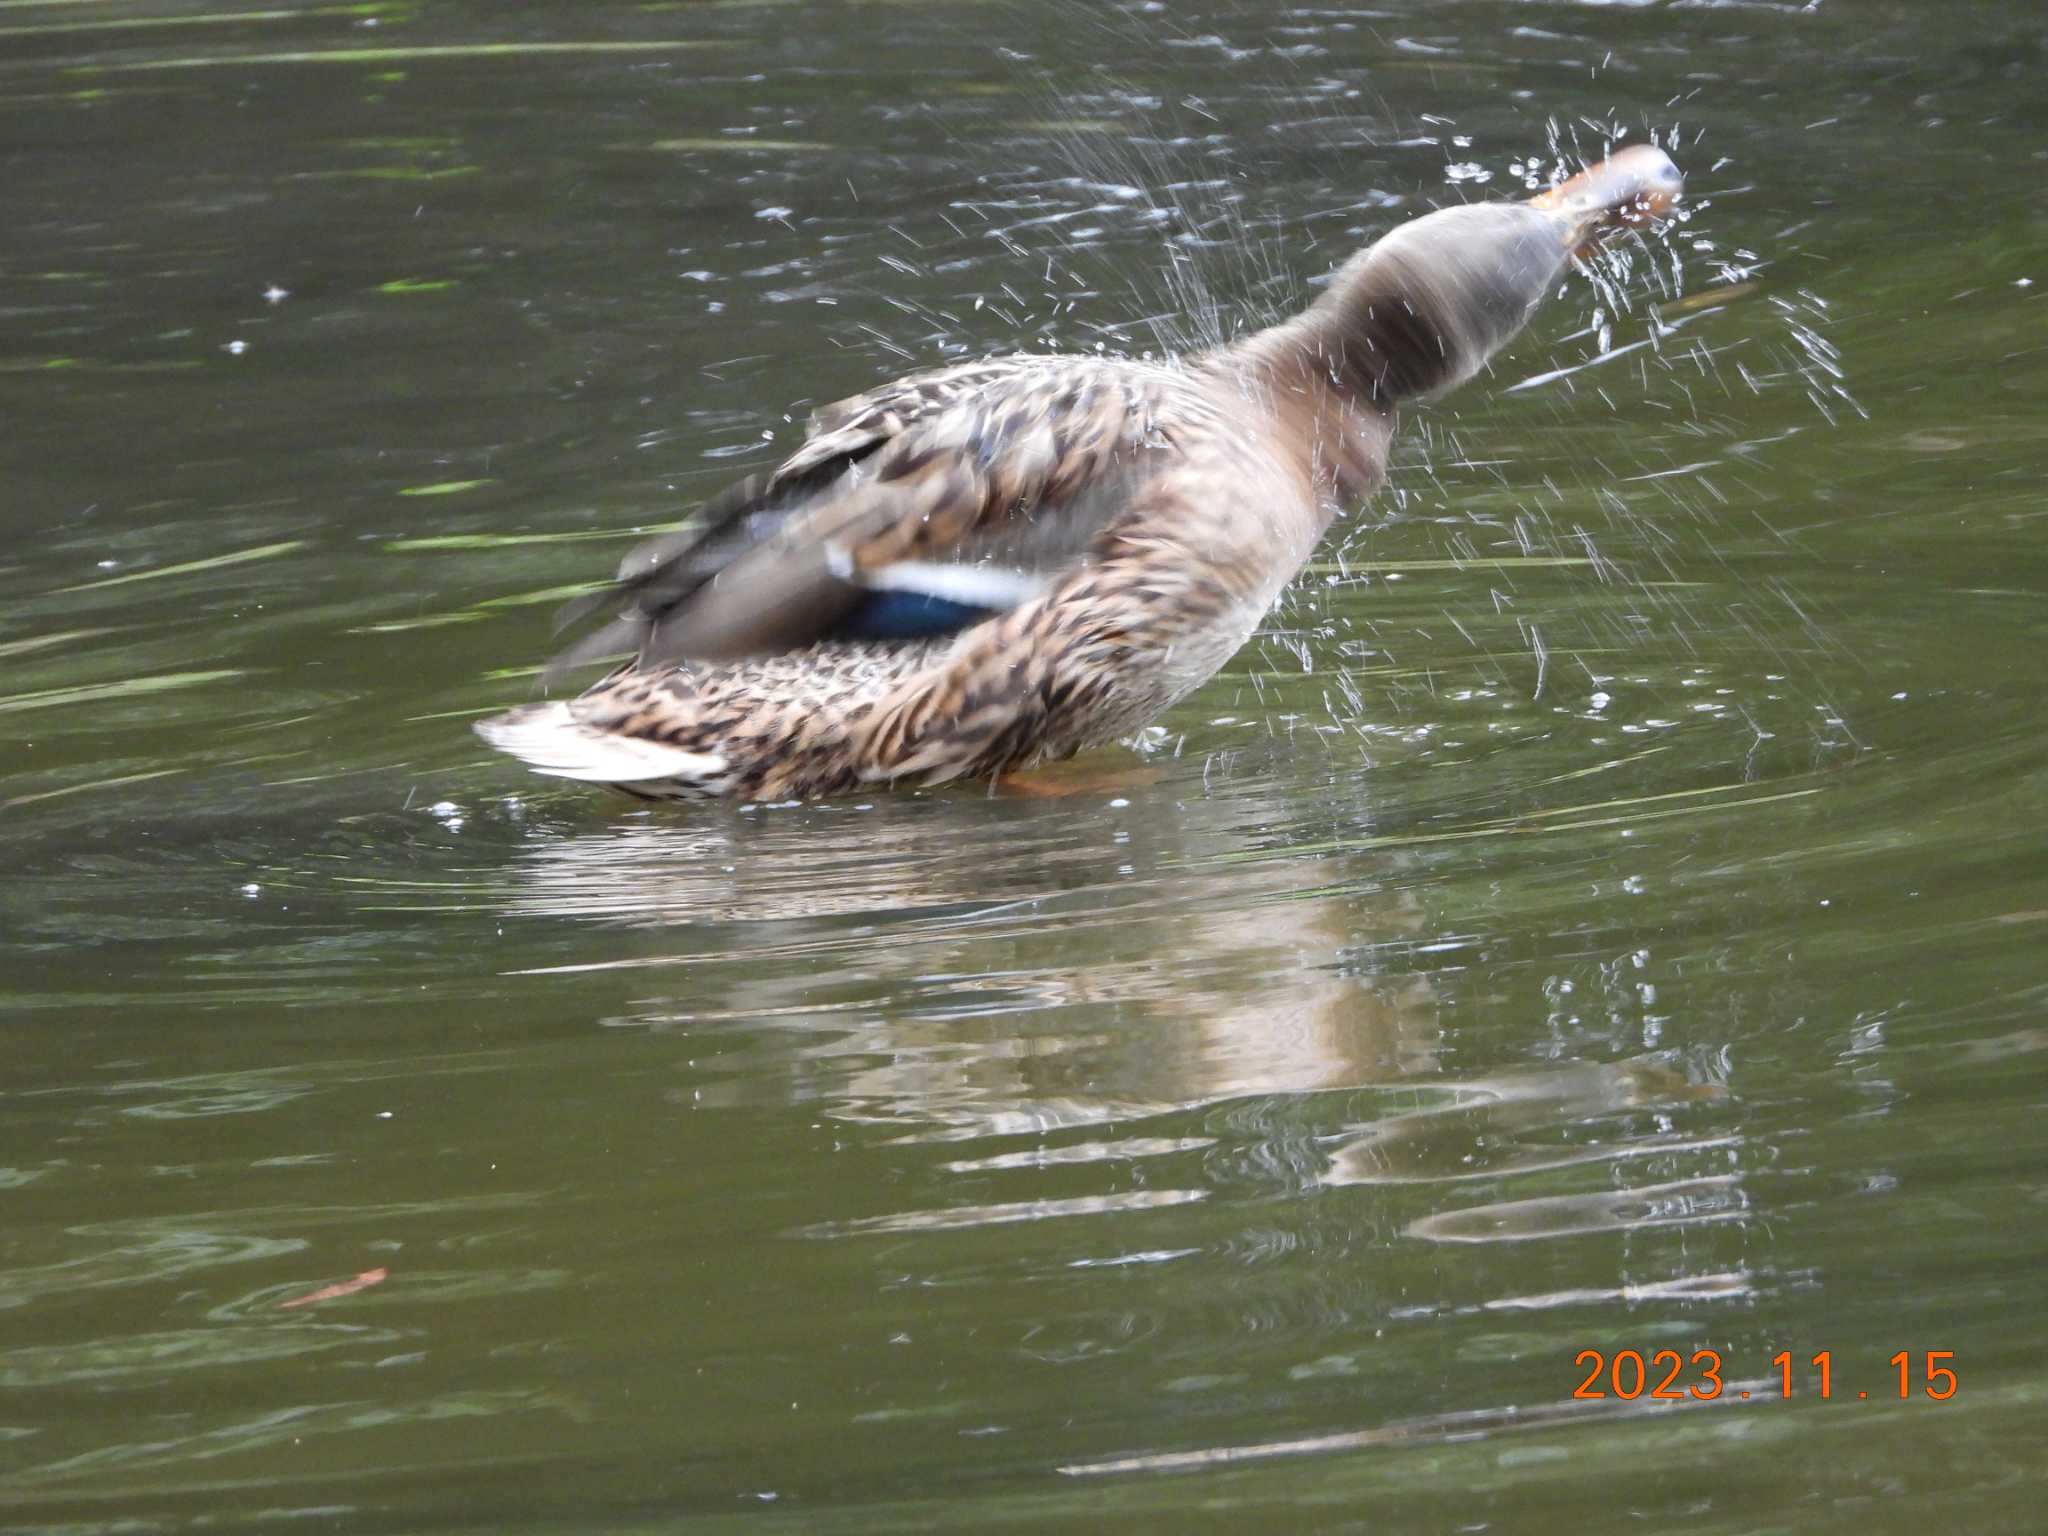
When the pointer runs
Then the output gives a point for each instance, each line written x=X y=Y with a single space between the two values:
x=1666 y=1375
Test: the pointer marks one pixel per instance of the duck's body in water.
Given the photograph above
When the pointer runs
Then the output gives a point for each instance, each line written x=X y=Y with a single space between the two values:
x=988 y=566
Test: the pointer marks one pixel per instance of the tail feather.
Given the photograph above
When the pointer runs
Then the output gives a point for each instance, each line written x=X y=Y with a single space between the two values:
x=549 y=738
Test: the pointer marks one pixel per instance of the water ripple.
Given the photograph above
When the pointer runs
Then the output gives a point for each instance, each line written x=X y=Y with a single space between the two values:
x=952 y=1218
x=1684 y=1203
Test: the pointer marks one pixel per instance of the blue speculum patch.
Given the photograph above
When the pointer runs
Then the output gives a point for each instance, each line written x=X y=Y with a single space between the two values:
x=908 y=616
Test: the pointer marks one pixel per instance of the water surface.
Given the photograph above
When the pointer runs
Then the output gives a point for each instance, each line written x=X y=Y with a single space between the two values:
x=1603 y=909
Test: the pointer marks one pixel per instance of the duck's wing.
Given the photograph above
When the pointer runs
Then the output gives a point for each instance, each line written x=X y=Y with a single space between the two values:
x=914 y=510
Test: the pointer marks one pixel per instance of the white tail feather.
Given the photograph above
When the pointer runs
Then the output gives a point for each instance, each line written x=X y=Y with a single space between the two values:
x=549 y=738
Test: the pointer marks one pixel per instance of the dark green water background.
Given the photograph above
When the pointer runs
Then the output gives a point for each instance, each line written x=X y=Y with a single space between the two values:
x=1604 y=909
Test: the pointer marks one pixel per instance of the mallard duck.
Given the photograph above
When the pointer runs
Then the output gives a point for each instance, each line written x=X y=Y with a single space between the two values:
x=988 y=566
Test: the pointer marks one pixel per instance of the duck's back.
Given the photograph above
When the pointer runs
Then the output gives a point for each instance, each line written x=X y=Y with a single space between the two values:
x=913 y=511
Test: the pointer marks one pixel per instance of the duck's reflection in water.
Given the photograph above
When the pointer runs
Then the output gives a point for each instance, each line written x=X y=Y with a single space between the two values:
x=1035 y=989
x=1039 y=987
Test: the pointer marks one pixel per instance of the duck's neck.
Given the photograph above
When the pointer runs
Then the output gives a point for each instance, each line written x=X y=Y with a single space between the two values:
x=1427 y=306
x=1328 y=412
x=1414 y=315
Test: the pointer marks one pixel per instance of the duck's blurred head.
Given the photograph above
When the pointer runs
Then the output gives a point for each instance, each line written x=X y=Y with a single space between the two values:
x=1425 y=308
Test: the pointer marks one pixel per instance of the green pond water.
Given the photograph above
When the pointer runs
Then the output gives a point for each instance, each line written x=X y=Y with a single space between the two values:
x=1605 y=909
